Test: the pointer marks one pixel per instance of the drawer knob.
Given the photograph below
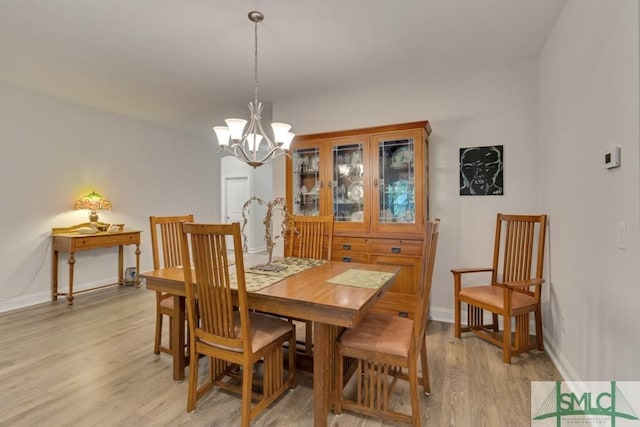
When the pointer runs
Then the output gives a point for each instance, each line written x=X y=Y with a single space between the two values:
x=396 y=249
x=346 y=247
x=346 y=259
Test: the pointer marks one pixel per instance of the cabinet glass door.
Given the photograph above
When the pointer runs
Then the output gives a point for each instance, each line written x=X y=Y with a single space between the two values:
x=348 y=183
x=305 y=170
x=397 y=182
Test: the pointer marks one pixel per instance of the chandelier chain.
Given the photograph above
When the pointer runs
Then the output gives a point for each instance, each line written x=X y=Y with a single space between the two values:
x=255 y=61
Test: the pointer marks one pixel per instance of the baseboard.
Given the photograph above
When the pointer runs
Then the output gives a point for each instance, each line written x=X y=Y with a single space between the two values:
x=24 y=301
x=256 y=250
x=559 y=360
x=441 y=314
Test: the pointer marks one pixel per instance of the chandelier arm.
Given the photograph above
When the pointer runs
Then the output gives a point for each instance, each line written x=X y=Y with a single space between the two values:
x=272 y=153
x=263 y=133
x=251 y=129
x=240 y=148
x=236 y=149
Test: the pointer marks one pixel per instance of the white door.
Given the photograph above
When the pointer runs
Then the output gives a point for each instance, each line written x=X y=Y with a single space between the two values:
x=235 y=192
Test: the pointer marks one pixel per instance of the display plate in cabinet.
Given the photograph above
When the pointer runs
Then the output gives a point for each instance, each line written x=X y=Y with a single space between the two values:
x=402 y=156
x=355 y=191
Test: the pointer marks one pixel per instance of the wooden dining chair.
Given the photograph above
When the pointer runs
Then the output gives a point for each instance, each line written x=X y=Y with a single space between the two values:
x=166 y=247
x=514 y=289
x=225 y=330
x=383 y=346
x=309 y=237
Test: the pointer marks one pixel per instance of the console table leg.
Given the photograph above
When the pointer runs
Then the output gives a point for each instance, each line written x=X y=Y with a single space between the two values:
x=137 y=279
x=54 y=275
x=120 y=265
x=71 y=262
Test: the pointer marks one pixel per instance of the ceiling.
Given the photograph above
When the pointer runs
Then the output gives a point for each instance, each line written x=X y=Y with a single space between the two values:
x=189 y=63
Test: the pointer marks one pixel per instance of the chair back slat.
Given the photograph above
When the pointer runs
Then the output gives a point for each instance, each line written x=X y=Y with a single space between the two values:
x=519 y=248
x=310 y=236
x=211 y=287
x=166 y=234
x=429 y=247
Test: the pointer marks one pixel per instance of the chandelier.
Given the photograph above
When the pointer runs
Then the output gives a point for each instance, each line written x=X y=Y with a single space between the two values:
x=252 y=145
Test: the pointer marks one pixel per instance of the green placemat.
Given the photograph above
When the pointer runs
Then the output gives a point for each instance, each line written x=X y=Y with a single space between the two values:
x=361 y=278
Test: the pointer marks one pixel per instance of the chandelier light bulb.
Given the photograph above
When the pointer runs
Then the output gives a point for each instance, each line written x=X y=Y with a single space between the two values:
x=286 y=142
x=279 y=131
x=223 y=134
x=236 y=126
x=253 y=141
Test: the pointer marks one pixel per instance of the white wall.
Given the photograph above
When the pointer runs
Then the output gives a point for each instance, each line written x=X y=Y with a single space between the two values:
x=54 y=152
x=588 y=101
x=589 y=95
x=473 y=107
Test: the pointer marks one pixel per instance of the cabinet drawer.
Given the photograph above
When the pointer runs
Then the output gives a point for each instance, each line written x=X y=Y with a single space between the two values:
x=397 y=303
x=397 y=247
x=347 y=256
x=408 y=275
x=350 y=244
x=103 y=240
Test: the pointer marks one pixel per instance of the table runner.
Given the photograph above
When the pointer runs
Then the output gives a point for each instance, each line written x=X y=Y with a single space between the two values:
x=361 y=278
x=259 y=279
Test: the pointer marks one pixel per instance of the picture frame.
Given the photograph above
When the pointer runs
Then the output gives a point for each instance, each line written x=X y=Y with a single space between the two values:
x=481 y=171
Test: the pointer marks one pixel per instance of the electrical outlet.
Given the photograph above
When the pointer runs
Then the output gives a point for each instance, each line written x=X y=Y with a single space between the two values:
x=564 y=325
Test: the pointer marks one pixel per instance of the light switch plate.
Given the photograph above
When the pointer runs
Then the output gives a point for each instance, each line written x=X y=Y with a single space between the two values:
x=612 y=158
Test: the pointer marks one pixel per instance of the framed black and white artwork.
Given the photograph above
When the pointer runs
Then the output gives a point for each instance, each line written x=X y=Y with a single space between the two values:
x=481 y=171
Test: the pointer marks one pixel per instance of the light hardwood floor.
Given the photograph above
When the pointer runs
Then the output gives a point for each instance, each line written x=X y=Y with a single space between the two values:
x=92 y=364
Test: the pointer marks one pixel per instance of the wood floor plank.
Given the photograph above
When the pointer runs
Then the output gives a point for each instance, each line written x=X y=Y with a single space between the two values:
x=93 y=364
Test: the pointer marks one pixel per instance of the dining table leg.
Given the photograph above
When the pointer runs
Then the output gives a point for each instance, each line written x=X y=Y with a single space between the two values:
x=324 y=337
x=178 y=338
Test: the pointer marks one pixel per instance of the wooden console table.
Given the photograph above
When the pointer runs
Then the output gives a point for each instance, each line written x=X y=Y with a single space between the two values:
x=70 y=240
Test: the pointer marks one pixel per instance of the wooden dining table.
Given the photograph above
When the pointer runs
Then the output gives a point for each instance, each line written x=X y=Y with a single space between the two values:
x=311 y=294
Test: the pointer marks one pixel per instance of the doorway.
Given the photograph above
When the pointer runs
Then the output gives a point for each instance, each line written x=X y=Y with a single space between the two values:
x=235 y=192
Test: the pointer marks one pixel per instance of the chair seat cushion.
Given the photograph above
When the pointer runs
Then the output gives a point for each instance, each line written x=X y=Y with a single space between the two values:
x=265 y=329
x=494 y=296
x=382 y=333
x=167 y=303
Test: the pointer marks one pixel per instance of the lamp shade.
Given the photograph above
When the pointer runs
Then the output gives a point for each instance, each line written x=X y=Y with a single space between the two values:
x=223 y=134
x=93 y=201
x=236 y=126
x=253 y=141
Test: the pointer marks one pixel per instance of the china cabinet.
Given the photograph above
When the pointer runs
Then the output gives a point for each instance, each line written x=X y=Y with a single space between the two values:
x=374 y=183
